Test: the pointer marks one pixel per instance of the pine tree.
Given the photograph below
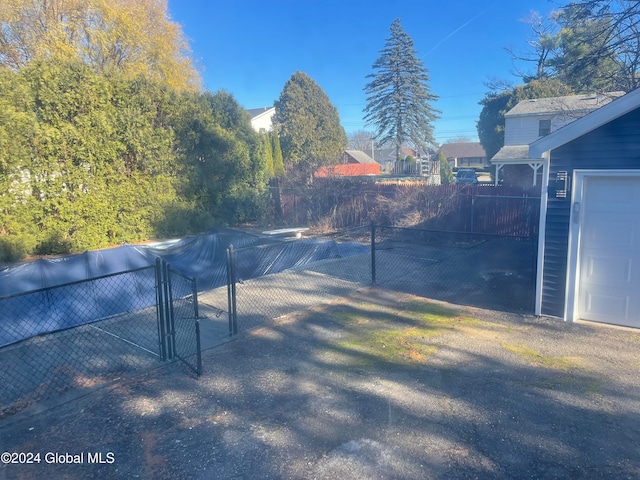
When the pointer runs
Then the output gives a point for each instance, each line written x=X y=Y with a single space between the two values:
x=268 y=155
x=278 y=163
x=308 y=124
x=398 y=96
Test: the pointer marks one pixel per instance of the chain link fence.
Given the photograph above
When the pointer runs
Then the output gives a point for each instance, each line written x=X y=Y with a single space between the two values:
x=270 y=281
x=482 y=270
x=91 y=332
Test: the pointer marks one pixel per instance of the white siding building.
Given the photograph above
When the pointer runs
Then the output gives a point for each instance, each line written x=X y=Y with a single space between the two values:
x=530 y=120
x=261 y=119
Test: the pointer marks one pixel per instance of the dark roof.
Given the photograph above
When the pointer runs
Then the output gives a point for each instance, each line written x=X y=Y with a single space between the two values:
x=254 y=112
x=463 y=150
x=567 y=104
x=603 y=115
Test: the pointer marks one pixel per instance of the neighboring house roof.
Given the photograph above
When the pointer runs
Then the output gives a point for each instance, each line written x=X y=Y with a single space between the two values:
x=385 y=154
x=586 y=124
x=570 y=104
x=261 y=118
x=256 y=112
x=463 y=150
x=577 y=106
x=512 y=154
x=359 y=156
x=408 y=151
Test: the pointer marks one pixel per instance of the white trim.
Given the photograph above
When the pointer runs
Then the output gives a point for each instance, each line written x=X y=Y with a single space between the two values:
x=572 y=310
x=535 y=166
x=541 y=234
x=498 y=168
x=516 y=161
x=586 y=124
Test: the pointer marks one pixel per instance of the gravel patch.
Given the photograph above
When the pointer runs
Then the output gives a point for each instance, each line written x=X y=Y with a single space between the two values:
x=370 y=386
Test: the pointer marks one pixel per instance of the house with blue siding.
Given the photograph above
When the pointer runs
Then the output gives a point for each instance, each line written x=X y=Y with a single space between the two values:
x=589 y=240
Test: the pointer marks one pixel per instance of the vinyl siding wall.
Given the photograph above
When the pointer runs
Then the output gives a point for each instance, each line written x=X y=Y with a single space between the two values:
x=523 y=130
x=615 y=145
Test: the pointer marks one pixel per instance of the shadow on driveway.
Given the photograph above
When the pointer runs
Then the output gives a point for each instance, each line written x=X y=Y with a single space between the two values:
x=376 y=385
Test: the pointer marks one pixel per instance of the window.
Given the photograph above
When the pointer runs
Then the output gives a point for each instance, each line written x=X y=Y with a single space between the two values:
x=544 y=128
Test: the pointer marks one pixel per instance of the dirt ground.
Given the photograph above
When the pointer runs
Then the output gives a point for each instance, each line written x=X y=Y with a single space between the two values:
x=375 y=385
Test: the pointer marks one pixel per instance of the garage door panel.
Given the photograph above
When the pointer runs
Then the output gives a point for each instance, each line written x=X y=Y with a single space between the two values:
x=621 y=230
x=605 y=303
x=617 y=194
x=602 y=269
x=609 y=251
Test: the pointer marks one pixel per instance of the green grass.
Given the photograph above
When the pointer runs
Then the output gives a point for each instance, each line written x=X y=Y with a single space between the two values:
x=588 y=386
x=399 y=335
x=557 y=363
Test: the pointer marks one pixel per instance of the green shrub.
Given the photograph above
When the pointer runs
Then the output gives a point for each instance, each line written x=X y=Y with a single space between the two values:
x=14 y=248
x=54 y=244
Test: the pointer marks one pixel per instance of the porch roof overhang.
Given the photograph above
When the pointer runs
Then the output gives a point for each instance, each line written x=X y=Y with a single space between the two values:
x=514 y=155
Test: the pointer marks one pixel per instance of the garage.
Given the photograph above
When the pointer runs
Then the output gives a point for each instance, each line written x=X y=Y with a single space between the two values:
x=589 y=242
x=608 y=275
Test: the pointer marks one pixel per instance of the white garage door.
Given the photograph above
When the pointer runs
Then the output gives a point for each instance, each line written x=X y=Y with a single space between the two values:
x=609 y=289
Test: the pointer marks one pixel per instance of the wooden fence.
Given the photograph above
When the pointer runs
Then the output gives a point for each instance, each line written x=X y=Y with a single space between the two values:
x=462 y=208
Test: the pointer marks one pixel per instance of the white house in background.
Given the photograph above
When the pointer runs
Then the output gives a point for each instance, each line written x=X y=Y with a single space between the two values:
x=261 y=118
x=530 y=120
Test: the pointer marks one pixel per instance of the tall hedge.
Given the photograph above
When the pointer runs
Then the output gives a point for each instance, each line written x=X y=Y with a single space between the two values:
x=88 y=160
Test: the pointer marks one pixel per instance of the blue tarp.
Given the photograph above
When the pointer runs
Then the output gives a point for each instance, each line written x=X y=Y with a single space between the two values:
x=199 y=256
x=27 y=310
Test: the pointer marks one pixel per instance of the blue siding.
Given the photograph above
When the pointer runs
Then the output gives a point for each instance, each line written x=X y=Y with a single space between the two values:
x=615 y=145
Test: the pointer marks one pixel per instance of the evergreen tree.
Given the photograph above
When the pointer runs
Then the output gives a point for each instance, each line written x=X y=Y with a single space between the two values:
x=89 y=160
x=446 y=175
x=278 y=163
x=268 y=156
x=398 y=96
x=308 y=124
x=584 y=60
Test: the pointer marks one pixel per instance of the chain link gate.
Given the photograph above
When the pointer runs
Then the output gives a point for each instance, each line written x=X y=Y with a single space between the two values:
x=178 y=318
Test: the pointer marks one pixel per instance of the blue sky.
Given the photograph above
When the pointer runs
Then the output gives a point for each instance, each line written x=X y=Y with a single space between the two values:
x=252 y=47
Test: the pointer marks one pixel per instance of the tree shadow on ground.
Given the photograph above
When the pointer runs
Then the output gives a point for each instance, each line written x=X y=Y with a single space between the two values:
x=316 y=395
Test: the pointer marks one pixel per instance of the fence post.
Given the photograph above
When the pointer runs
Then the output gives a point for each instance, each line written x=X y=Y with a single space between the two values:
x=170 y=333
x=194 y=289
x=373 y=253
x=473 y=203
x=160 y=310
x=231 y=291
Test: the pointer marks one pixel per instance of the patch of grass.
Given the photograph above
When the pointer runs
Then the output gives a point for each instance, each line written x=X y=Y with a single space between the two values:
x=403 y=346
x=587 y=386
x=437 y=315
x=557 y=363
x=396 y=334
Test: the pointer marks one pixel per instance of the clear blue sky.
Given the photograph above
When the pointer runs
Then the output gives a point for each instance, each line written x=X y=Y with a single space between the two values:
x=252 y=47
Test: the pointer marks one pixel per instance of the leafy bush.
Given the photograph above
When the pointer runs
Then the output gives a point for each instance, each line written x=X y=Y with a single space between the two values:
x=15 y=247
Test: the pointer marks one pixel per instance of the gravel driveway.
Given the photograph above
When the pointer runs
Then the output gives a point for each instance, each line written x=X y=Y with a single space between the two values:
x=376 y=385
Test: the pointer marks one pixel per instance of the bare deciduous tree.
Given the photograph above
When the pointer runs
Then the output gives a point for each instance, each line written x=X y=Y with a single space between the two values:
x=362 y=140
